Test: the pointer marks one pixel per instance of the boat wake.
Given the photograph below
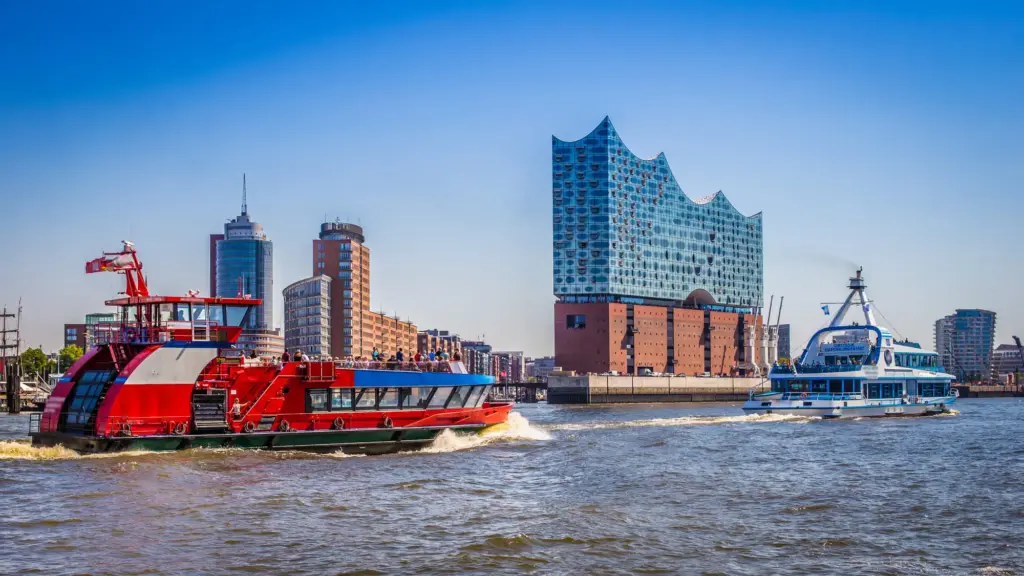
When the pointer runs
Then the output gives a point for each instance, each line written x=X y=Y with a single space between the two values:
x=517 y=428
x=25 y=451
x=685 y=421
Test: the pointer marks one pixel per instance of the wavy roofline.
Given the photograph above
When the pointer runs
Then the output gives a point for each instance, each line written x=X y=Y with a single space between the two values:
x=702 y=201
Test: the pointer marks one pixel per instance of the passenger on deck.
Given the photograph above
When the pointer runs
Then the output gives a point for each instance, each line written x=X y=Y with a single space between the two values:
x=457 y=357
x=284 y=357
x=417 y=358
x=444 y=356
x=252 y=354
x=432 y=356
x=400 y=356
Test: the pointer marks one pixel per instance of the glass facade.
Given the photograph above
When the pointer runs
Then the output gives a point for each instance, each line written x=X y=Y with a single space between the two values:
x=307 y=316
x=623 y=227
x=247 y=265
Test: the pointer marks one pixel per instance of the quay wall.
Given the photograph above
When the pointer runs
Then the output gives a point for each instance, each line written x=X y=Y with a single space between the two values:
x=594 y=389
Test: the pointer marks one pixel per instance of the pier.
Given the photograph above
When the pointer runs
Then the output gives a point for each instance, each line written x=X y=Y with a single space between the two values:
x=596 y=389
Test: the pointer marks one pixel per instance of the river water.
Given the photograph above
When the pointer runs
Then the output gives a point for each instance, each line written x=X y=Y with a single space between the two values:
x=648 y=489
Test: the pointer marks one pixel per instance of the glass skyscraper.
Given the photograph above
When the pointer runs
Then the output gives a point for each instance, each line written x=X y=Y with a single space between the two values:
x=624 y=229
x=244 y=265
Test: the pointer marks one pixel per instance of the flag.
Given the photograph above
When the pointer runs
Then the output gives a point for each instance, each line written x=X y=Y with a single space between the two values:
x=110 y=263
x=824 y=308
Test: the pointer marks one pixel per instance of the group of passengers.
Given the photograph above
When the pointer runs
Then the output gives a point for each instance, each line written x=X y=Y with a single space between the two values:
x=377 y=359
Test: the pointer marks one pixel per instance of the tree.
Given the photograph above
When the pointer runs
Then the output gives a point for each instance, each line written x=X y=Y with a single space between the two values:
x=35 y=362
x=68 y=356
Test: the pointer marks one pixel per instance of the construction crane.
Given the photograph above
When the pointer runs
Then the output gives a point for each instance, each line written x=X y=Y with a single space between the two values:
x=1020 y=350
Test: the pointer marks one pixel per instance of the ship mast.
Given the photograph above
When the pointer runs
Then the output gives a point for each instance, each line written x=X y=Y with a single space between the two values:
x=858 y=293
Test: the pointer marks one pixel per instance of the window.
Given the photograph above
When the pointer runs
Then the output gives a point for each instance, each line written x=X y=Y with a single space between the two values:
x=873 y=390
x=181 y=313
x=341 y=398
x=388 y=398
x=236 y=315
x=476 y=397
x=415 y=397
x=576 y=321
x=316 y=400
x=459 y=398
x=440 y=397
x=366 y=399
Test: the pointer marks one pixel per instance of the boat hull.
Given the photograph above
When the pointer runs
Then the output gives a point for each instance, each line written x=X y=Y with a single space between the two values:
x=356 y=441
x=838 y=410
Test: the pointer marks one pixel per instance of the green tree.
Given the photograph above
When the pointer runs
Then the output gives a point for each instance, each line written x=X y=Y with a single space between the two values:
x=35 y=362
x=68 y=356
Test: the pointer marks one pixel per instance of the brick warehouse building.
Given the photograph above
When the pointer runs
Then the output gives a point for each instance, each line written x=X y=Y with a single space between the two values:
x=645 y=278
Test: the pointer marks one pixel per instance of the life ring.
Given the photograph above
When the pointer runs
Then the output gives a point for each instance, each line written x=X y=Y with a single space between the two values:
x=283 y=426
x=126 y=429
x=179 y=428
x=388 y=423
x=249 y=426
x=803 y=395
x=339 y=424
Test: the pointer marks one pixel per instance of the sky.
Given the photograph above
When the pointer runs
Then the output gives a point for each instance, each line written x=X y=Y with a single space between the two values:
x=878 y=134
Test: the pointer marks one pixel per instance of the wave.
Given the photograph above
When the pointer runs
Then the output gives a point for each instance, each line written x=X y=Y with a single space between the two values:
x=686 y=421
x=25 y=451
x=516 y=428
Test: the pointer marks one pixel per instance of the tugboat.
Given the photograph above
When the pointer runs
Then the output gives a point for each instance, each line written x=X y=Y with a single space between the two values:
x=856 y=370
x=170 y=379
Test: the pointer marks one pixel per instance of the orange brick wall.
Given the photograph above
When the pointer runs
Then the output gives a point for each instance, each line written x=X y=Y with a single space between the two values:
x=651 y=339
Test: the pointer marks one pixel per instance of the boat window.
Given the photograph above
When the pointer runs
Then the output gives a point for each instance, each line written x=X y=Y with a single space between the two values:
x=165 y=312
x=316 y=400
x=415 y=397
x=198 y=312
x=818 y=385
x=887 y=390
x=181 y=313
x=798 y=385
x=459 y=398
x=440 y=397
x=366 y=398
x=217 y=314
x=835 y=386
x=475 y=397
x=854 y=386
x=236 y=315
x=873 y=390
x=387 y=398
x=778 y=385
x=341 y=398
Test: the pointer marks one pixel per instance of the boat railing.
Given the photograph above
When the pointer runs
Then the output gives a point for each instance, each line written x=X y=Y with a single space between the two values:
x=823 y=368
x=820 y=396
x=438 y=366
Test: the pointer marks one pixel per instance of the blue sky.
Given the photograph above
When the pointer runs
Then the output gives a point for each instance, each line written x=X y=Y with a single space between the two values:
x=883 y=134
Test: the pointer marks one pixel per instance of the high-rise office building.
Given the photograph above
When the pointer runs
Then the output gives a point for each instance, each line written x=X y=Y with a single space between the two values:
x=340 y=252
x=307 y=316
x=965 y=342
x=244 y=265
x=646 y=278
x=784 y=344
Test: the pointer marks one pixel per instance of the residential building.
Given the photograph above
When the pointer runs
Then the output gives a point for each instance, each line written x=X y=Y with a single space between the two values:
x=513 y=366
x=784 y=351
x=1006 y=359
x=540 y=368
x=244 y=265
x=438 y=340
x=75 y=334
x=307 y=316
x=340 y=252
x=477 y=356
x=966 y=341
x=645 y=278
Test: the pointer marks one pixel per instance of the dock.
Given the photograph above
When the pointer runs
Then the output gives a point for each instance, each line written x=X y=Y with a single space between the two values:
x=598 y=389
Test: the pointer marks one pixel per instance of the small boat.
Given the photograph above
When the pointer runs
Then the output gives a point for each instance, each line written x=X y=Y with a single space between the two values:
x=851 y=370
x=170 y=379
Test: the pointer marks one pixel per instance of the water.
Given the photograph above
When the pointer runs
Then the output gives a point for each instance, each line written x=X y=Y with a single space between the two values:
x=655 y=489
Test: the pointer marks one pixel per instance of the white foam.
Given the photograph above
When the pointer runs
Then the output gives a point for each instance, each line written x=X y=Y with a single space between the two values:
x=686 y=421
x=517 y=428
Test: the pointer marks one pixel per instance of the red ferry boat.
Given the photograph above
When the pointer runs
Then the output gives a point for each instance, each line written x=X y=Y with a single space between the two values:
x=170 y=379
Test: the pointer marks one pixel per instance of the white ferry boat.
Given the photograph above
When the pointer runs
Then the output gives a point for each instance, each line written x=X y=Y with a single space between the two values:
x=856 y=370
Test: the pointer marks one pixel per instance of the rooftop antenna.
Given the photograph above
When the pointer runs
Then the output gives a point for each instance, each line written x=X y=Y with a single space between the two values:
x=245 y=205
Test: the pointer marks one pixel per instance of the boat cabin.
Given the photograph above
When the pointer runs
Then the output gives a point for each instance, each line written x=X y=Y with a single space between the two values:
x=160 y=319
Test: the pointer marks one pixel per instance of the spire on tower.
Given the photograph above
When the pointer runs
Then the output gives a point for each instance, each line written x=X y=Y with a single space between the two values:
x=245 y=206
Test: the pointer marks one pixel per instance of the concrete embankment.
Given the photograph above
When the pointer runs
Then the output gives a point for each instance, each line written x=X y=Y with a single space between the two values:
x=595 y=389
